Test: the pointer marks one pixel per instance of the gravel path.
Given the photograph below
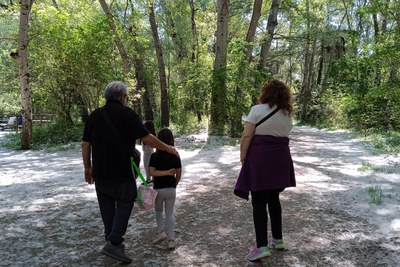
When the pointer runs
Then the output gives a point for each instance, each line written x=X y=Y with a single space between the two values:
x=49 y=216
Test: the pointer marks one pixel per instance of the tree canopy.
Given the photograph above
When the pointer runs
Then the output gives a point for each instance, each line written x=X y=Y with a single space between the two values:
x=191 y=63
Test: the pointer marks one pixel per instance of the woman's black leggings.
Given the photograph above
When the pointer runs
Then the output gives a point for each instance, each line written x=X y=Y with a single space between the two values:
x=260 y=200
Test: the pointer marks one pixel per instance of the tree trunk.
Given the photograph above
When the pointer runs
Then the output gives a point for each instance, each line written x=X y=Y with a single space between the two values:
x=271 y=24
x=378 y=73
x=195 y=44
x=251 y=32
x=142 y=84
x=238 y=110
x=161 y=69
x=117 y=39
x=218 y=94
x=138 y=64
x=305 y=90
x=26 y=134
x=177 y=40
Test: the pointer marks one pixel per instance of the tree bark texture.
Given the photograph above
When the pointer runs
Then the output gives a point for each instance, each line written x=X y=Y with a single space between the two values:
x=117 y=39
x=218 y=94
x=195 y=42
x=142 y=84
x=23 y=40
x=161 y=69
x=271 y=25
x=255 y=17
x=306 y=87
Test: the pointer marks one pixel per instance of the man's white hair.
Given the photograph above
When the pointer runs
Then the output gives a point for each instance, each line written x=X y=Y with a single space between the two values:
x=115 y=90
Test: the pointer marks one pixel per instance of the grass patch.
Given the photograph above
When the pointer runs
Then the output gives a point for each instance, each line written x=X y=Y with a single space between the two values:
x=365 y=167
x=47 y=136
x=383 y=142
x=11 y=141
x=375 y=195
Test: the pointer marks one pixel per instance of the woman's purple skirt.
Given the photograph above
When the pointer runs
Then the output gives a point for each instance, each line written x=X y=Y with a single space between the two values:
x=268 y=165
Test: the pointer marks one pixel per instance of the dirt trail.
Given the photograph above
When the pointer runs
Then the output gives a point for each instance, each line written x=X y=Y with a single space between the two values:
x=325 y=216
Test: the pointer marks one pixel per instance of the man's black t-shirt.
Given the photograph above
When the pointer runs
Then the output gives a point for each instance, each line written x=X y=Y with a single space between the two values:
x=111 y=162
x=163 y=161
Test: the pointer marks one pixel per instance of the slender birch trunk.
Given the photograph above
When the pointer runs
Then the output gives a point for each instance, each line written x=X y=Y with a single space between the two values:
x=23 y=40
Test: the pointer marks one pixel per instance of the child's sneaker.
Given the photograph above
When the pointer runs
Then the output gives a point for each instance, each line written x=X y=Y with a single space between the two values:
x=160 y=238
x=278 y=244
x=258 y=253
x=171 y=244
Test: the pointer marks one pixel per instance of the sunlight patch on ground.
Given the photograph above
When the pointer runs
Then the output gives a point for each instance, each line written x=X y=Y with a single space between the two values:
x=187 y=154
x=346 y=236
x=329 y=187
x=395 y=224
x=350 y=172
x=225 y=231
x=308 y=159
x=389 y=177
x=312 y=176
x=192 y=255
x=196 y=167
x=293 y=261
x=383 y=212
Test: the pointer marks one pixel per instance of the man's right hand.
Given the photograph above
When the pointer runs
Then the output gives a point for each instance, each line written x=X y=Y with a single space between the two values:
x=88 y=176
x=173 y=150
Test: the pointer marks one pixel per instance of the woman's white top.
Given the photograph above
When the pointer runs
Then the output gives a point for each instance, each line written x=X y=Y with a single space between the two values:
x=279 y=124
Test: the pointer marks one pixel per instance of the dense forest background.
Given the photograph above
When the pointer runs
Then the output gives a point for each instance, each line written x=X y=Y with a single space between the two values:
x=191 y=64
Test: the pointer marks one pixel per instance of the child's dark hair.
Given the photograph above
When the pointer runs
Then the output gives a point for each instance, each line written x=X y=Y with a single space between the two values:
x=166 y=136
x=150 y=127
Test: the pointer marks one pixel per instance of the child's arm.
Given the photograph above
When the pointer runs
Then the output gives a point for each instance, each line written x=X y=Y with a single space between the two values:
x=178 y=175
x=154 y=172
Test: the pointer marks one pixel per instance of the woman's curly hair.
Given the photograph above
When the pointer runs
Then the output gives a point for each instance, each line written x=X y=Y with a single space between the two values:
x=277 y=93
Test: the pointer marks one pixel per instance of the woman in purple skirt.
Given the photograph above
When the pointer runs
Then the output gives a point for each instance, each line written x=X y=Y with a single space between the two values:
x=267 y=167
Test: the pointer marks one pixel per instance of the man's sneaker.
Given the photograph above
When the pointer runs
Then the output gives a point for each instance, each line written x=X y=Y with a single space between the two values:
x=278 y=244
x=160 y=238
x=258 y=253
x=171 y=244
x=116 y=252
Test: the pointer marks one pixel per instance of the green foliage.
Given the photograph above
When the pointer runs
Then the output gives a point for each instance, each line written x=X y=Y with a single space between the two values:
x=190 y=97
x=366 y=104
x=9 y=76
x=11 y=141
x=375 y=195
x=52 y=135
x=241 y=87
x=189 y=125
x=72 y=56
x=71 y=61
x=45 y=136
x=365 y=167
x=384 y=142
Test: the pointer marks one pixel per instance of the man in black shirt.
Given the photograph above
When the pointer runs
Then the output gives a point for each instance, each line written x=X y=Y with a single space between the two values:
x=107 y=163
